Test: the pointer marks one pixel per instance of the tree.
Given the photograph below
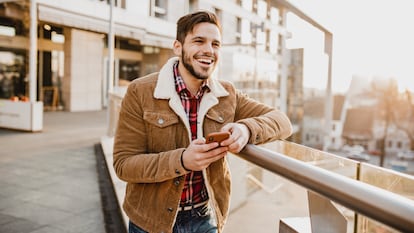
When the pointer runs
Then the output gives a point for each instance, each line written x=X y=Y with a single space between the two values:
x=386 y=92
x=403 y=116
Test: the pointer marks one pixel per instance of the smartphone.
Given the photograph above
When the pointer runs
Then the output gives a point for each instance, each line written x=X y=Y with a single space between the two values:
x=217 y=137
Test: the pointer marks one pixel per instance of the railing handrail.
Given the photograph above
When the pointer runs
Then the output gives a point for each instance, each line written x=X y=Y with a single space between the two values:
x=378 y=204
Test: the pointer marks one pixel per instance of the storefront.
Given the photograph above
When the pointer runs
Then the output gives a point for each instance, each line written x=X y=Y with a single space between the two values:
x=62 y=65
x=17 y=111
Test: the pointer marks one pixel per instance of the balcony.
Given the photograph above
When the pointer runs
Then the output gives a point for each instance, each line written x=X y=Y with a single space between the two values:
x=286 y=187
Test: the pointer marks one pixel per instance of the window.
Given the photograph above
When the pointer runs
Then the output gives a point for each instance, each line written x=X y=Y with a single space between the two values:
x=158 y=9
x=117 y=3
x=238 y=30
x=7 y=31
x=12 y=27
x=262 y=9
x=247 y=4
x=12 y=73
x=53 y=33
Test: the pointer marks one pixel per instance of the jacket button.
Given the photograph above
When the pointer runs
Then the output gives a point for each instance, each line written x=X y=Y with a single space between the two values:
x=177 y=172
x=177 y=182
x=220 y=119
x=170 y=209
x=160 y=121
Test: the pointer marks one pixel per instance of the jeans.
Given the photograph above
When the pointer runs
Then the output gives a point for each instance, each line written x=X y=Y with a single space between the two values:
x=198 y=220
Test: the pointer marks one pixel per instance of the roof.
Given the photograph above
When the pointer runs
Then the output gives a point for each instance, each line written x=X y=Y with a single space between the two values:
x=314 y=107
x=359 y=123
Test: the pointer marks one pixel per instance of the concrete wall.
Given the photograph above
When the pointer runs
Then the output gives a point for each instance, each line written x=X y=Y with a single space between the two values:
x=82 y=82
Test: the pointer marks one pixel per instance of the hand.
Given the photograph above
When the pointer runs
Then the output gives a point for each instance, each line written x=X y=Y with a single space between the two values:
x=239 y=137
x=200 y=155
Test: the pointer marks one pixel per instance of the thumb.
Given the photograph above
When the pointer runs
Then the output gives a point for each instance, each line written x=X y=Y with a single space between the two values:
x=199 y=141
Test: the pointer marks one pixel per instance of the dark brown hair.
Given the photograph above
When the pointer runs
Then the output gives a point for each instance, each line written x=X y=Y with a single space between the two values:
x=186 y=23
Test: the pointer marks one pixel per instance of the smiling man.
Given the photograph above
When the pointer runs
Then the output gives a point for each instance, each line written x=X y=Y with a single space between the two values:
x=176 y=182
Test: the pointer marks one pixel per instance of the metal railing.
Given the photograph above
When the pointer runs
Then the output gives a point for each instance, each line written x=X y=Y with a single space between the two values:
x=373 y=195
x=373 y=202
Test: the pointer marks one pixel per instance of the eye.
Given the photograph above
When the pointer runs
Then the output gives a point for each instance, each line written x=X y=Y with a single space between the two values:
x=216 y=44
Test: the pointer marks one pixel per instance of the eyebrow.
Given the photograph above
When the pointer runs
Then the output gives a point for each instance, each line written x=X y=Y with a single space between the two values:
x=197 y=38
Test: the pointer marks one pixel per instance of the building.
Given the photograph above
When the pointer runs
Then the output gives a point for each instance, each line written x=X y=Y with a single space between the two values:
x=362 y=128
x=313 y=123
x=55 y=54
x=73 y=54
x=72 y=37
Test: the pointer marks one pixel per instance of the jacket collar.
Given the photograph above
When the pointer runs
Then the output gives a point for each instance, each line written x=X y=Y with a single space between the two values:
x=165 y=87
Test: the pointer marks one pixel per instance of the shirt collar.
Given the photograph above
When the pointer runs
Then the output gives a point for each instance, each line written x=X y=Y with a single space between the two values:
x=180 y=86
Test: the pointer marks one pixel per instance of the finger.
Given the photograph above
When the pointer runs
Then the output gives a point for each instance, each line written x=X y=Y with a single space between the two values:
x=214 y=158
x=211 y=146
x=211 y=154
x=227 y=128
x=199 y=141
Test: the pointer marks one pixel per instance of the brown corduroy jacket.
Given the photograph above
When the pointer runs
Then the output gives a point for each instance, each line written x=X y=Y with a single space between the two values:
x=153 y=131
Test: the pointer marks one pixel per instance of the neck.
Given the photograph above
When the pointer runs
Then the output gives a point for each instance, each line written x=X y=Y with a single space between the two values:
x=192 y=83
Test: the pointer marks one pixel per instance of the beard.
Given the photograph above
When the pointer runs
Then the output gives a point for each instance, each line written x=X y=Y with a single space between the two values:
x=187 y=64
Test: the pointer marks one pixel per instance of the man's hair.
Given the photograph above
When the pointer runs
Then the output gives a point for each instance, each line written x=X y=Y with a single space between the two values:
x=186 y=23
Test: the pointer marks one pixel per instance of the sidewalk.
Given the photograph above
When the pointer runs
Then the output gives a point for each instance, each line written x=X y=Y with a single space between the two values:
x=56 y=181
x=48 y=180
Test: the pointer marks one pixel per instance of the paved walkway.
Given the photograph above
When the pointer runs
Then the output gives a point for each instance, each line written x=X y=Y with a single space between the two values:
x=48 y=180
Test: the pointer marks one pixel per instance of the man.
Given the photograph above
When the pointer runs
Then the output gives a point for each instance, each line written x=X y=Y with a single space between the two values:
x=175 y=181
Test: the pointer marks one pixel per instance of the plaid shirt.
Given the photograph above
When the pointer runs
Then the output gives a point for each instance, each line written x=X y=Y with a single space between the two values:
x=194 y=188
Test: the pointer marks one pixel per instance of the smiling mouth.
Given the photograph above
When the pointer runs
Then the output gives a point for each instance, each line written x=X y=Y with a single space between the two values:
x=205 y=61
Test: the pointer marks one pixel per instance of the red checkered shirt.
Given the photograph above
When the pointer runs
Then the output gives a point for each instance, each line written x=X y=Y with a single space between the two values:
x=194 y=188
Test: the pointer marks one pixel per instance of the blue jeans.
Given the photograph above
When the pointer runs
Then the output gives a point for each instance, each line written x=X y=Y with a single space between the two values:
x=198 y=220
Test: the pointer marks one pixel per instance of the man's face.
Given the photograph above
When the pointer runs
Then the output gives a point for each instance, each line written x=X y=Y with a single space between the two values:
x=200 y=51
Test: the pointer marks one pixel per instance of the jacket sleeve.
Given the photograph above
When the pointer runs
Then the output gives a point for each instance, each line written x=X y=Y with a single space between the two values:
x=132 y=162
x=264 y=122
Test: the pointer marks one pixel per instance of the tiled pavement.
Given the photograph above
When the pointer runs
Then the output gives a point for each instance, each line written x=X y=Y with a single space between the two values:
x=49 y=180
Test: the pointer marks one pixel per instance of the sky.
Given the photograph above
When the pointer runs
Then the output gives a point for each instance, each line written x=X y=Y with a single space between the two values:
x=371 y=38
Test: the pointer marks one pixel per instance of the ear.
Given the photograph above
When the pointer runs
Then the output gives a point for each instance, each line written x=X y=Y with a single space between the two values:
x=177 y=48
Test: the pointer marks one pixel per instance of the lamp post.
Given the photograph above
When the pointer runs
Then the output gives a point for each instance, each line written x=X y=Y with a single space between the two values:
x=33 y=51
x=111 y=42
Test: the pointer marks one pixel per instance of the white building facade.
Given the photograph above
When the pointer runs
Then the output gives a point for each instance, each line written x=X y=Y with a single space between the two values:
x=73 y=44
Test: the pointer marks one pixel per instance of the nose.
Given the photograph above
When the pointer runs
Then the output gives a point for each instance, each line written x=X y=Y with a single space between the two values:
x=208 y=48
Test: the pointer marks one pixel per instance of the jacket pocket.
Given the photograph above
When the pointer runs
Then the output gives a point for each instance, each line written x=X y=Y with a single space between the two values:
x=215 y=120
x=161 y=129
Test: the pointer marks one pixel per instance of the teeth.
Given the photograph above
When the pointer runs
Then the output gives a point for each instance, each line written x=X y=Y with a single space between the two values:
x=208 y=61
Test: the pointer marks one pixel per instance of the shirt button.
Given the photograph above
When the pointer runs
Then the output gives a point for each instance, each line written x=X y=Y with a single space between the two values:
x=160 y=121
